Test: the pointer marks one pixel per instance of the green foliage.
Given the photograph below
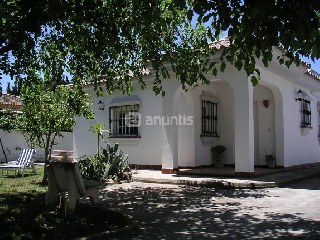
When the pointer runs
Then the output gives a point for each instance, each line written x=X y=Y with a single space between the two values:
x=49 y=104
x=116 y=40
x=219 y=149
x=16 y=88
x=8 y=120
x=47 y=112
x=112 y=163
x=8 y=88
x=255 y=27
x=98 y=128
x=269 y=157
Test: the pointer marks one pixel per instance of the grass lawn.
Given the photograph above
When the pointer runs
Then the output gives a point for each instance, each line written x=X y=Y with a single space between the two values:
x=23 y=214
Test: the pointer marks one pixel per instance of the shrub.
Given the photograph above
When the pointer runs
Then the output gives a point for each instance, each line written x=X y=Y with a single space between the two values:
x=218 y=149
x=111 y=163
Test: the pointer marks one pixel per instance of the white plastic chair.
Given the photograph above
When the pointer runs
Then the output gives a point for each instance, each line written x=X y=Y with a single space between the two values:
x=24 y=162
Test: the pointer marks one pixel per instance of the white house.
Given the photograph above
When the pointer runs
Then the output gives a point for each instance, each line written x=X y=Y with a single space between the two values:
x=279 y=116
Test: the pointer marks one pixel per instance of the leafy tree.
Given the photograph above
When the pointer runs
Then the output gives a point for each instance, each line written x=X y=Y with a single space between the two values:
x=119 y=39
x=46 y=113
x=8 y=88
x=7 y=120
x=49 y=104
x=255 y=27
x=16 y=88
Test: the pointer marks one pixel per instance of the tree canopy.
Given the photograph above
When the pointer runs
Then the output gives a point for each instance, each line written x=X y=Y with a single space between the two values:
x=49 y=104
x=119 y=39
x=47 y=112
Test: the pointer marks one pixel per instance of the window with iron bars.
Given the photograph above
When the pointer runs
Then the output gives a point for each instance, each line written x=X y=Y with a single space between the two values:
x=209 y=118
x=305 y=113
x=122 y=121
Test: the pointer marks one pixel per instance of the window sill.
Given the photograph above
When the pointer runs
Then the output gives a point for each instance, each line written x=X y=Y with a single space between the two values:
x=125 y=141
x=305 y=130
x=125 y=137
x=209 y=140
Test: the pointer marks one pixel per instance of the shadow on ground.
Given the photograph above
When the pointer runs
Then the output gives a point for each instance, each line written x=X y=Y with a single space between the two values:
x=308 y=184
x=202 y=213
x=25 y=216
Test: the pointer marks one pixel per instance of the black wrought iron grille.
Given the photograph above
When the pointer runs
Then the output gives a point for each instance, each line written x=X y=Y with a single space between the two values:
x=305 y=113
x=121 y=121
x=209 y=118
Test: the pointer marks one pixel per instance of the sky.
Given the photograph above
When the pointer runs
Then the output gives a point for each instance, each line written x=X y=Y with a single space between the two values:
x=314 y=65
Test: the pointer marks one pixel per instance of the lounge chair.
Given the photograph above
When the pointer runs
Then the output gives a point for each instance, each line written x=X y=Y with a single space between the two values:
x=64 y=180
x=24 y=162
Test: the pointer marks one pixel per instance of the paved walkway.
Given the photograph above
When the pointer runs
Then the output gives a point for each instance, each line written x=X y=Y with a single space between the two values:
x=271 y=180
x=168 y=211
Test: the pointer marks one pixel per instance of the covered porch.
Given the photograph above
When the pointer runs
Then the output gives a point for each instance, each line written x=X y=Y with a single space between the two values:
x=248 y=122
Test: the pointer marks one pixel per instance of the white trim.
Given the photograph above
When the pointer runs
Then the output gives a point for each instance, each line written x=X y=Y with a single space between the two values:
x=209 y=140
x=130 y=141
x=208 y=96
x=305 y=130
x=126 y=100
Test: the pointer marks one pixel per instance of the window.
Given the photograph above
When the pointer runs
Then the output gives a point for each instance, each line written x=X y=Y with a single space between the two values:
x=209 y=118
x=124 y=121
x=304 y=100
x=305 y=113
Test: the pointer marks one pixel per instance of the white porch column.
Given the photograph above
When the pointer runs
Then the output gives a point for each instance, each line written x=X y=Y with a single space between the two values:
x=169 y=149
x=169 y=133
x=244 y=126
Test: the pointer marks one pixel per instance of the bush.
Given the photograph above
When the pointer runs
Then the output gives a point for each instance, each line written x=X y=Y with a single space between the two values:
x=218 y=149
x=112 y=163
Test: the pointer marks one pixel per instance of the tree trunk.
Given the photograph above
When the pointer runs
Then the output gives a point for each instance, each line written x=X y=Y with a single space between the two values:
x=46 y=158
x=98 y=144
x=45 y=178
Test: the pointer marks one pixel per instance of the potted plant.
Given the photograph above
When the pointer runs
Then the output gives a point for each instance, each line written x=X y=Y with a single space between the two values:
x=217 y=155
x=270 y=159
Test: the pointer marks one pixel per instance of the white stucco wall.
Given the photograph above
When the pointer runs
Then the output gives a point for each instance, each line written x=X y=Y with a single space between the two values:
x=300 y=147
x=13 y=142
x=226 y=119
x=202 y=150
x=185 y=107
x=145 y=150
x=225 y=106
x=278 y=128
x=292 y=147
x=264 y=124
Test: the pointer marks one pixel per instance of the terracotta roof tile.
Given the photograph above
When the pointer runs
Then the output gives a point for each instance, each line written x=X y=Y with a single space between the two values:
x=10 y=101
x=222 y=43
